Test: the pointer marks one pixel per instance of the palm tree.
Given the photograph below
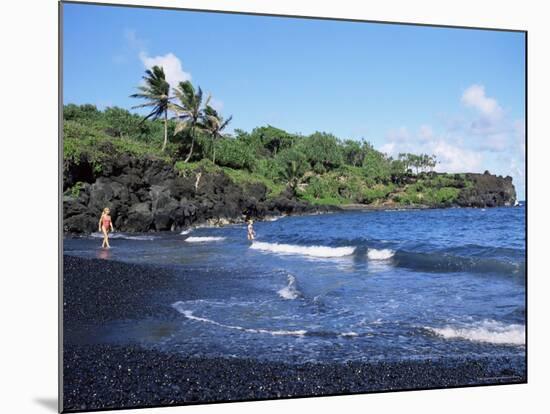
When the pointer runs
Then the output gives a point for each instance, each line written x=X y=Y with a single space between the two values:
x=294 y=165
x=214 y=124
x=189 y=113
x=156 y=91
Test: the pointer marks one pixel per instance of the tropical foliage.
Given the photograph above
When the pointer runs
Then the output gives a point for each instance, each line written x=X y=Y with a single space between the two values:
x=320 y=168
x=189 y=112
x=155 y=91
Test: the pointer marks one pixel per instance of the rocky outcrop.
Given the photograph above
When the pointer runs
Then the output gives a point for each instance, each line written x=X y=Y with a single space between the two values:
x=487 y=190
x=146 y=194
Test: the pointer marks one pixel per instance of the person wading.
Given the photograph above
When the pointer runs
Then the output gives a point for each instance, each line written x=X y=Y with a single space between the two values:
x=251 y=234
x=105 y=226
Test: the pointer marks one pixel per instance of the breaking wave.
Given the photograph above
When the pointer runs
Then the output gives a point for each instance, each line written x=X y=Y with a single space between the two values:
x=488 y=331
x=382 y=254
x=313 y=251
x=290 y=291
x=203 y=239
x=349 y=334
x=272 y=218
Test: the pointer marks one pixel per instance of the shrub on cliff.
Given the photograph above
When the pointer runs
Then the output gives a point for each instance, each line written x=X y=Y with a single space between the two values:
x=379 y=192
x=292 y=165
x=87 y=143
x=234 y=153
x=321 y=148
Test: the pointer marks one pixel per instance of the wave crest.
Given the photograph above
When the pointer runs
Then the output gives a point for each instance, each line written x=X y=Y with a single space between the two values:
x=382 y=254
x=203 y=239
x=313 y=251
x=488 y=331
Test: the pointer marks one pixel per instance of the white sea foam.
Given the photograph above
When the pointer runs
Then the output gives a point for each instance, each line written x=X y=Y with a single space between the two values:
x=382 y=254
x=313 y=251
x=486 y=331
x=179 y=306
x=203 y=239
x=272 y=218
x=290 y=291
x=349 y=334
x=184 y=232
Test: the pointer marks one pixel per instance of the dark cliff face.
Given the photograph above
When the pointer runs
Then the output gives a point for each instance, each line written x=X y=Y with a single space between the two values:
x=149 y=195
x=146 y=194
x=487 y=191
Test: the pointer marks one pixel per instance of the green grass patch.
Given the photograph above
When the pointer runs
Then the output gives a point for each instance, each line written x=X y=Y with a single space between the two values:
x=84 y=142
x=324 y=201
x=420 y=193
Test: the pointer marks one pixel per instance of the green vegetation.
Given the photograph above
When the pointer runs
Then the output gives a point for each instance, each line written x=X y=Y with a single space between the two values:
x=90 y=140
x=319 y=168
x=155 y=92
x=75 y=190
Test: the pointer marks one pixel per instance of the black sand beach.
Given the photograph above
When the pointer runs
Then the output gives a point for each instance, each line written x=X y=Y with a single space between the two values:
x=124 y=375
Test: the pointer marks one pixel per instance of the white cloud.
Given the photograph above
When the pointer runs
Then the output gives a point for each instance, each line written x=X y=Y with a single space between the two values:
x=491 y=140
x=170 y=63
x=173 y=68
x=492 y=130
x=475 y=97
x=455 y=159
x=450 y=152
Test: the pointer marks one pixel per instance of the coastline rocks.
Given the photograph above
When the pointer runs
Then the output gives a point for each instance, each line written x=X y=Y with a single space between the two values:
x=148 y=195
x=140 y=218
x=487 y=191
x=80 y=223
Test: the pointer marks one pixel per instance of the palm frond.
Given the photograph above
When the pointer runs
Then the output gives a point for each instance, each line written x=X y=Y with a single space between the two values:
x=225 y=123
x=152 y=103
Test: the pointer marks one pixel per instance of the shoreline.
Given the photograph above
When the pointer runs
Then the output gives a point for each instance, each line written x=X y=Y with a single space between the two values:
x=100 y=374
x=219 y=222
x=394 y=207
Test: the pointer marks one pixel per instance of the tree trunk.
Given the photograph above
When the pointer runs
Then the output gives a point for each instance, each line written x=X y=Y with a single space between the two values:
x=192 y=144
x=213 y=151
x=165 y=130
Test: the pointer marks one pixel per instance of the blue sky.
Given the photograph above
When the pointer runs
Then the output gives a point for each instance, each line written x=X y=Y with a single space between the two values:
x=455 y=93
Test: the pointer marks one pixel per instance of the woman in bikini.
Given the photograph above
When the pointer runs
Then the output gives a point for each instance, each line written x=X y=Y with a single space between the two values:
x=251 y=234
x=105 y=225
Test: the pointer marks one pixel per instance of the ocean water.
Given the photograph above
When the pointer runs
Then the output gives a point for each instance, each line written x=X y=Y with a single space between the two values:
x=363 y=285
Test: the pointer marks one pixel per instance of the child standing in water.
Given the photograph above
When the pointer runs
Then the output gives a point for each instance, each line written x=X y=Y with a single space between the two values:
x=251 y=233
x=105 y=225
